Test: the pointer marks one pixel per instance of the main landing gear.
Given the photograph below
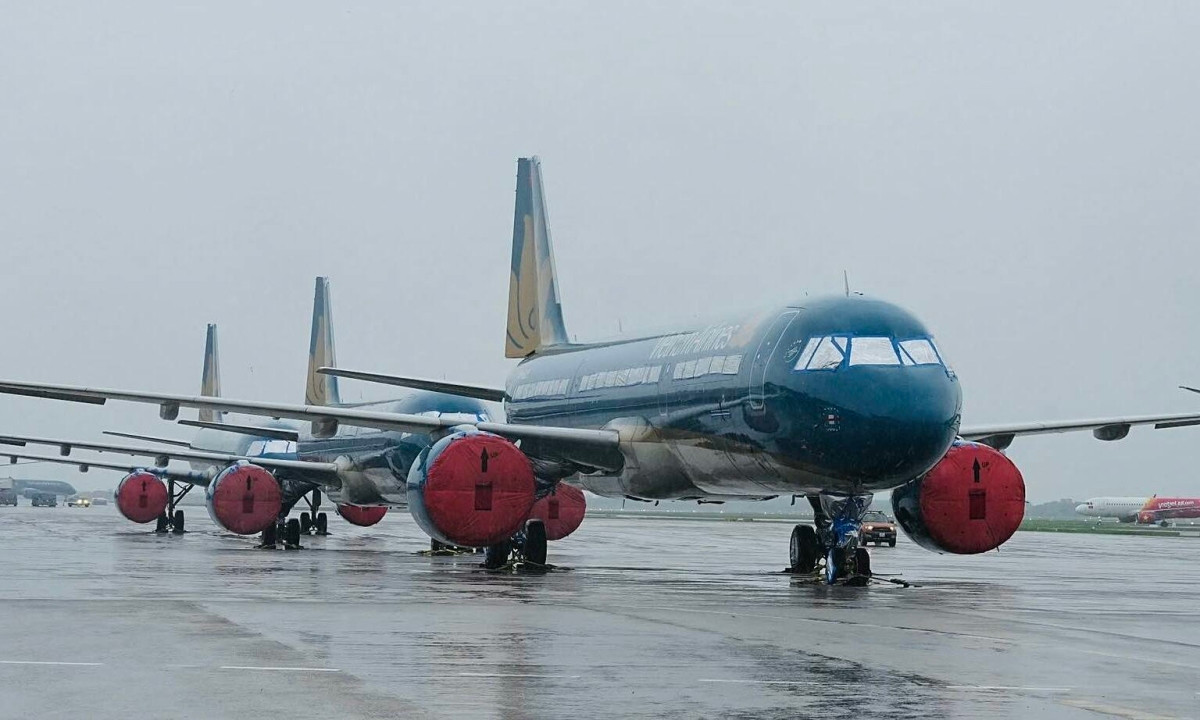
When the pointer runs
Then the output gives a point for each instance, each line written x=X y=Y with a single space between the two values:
x=288 y=531
x=172 y=519
x=285 y=530
x=834 y=540
x=313 y=520
x=528 y=546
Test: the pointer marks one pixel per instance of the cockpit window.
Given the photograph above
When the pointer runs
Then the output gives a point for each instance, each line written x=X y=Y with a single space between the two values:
x=829 y=352
x=918 y=352
x=873 y=351
x=824 y=353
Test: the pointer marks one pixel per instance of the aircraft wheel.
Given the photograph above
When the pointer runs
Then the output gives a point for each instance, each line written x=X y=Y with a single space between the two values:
x=862 y=562
x=436 y=545
x=305 y=523
x=269 y=536
x=892 y=542
x=292 y=535
x=496 y=556
x=805 y=549
x=160 y=525
x=322 y=524
x=836 y=561
x=178 y=524
x=535 y=541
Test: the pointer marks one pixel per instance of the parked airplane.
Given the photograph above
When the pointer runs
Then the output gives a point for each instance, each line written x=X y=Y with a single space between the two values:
x=32 y=489
x=256 y=473
x=832 y=399
x=1144 y=511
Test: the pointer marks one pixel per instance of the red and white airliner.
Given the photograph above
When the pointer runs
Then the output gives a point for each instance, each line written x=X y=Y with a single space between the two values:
x=1144 y=511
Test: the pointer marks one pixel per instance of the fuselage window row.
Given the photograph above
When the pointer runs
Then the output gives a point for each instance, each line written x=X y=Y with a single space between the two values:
x=716 y=365
x=620 y=378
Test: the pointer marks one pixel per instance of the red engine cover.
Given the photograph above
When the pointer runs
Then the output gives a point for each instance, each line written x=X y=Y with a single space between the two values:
x=244 y=499
x=478 y=490
x=141 y=496
x=561 y=511
x=361 y=516
x=972 y=501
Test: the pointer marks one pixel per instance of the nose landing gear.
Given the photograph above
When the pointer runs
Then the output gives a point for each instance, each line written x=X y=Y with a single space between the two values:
x=834 y=539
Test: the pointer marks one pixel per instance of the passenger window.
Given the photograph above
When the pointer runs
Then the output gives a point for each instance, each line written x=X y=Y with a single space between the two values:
x=873 y=351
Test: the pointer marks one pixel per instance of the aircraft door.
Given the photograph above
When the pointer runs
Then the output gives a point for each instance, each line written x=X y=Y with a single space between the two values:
x=762 y=357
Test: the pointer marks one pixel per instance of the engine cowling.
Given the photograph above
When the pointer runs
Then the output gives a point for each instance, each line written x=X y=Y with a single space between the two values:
x=141 y=496
x=972 y=501
x=471 y=489
x=361 y=516
x=244 y=499
x=561 y=511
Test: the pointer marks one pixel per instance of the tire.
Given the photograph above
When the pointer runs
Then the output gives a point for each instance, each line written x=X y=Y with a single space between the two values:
x=305 y=523
x=160 y=525
x=322 y=524
x=178 y=524
x=292 y=534
x=892 y=542
x=805 y=549
x=862 y=562
x=270 y=535
x=835 y=565
x=535 y=542
x=436 y=545
x=496 y=556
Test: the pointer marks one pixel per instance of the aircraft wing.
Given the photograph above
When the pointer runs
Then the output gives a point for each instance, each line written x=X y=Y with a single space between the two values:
x=1001 y=436
x=188 y=476
x=325 y=419
x=316 y=470
x=471 y=391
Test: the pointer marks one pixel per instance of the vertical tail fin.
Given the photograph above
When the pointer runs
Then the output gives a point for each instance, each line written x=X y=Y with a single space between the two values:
x=535 y=316
x=210 y=380
x=321 y=389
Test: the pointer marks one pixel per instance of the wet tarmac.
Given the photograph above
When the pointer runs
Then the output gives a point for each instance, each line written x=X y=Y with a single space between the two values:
x=662 y=619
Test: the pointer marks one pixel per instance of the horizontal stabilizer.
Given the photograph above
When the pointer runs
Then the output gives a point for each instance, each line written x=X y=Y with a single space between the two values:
x=254 y=430
x=471 y=391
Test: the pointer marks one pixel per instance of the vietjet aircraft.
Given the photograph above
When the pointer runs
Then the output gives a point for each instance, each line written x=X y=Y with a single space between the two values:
x=1145 y=511
x=834 y=399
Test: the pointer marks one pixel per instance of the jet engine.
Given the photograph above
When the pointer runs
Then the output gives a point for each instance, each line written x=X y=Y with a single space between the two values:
x=562 y=511
x=244 y=499
x=471 y=489
x=972 y=501
x=361 y=516
x=141 y=496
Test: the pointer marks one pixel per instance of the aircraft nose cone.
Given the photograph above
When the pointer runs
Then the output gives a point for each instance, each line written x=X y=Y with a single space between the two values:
x=883 y=426
x=1081 y=508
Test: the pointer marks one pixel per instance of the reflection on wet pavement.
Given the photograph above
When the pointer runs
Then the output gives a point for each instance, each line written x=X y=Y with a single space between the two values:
x=644 y=619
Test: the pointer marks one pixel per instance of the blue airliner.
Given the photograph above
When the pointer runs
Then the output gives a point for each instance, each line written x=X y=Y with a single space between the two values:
x=831 y=399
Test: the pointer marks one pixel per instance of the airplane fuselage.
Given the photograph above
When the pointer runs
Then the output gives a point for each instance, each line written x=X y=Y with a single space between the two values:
x=756 y=407
x=377 y=461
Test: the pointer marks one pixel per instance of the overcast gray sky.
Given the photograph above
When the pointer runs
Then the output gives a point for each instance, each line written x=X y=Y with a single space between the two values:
x=1024 y=177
